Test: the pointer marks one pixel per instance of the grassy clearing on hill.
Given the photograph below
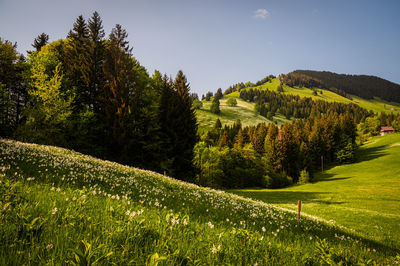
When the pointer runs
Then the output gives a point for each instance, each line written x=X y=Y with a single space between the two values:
x=376 y=105
x=364 y=196
x=61 y=207
x=243 y=111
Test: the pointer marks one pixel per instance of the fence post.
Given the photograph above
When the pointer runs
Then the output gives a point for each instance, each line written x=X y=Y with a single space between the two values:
x=299 y=205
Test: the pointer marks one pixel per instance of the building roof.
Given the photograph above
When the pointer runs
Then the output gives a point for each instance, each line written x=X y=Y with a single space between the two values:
x=387 y=129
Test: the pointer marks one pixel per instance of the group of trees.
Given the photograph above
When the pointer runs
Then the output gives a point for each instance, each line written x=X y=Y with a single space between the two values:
x=89 y=93
x=270 y=156
x=371 y=126
x=268 y=103
x=295 y=79
x=361 y=85
x=239 y=86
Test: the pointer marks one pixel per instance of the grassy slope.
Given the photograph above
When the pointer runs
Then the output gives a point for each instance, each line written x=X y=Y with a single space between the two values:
x=58 y=206
x=243 y=111
x=377 y=105
x=364 y=196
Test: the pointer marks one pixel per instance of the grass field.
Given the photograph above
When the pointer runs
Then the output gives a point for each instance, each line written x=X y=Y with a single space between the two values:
x=376 y=105
x=243 y=111
x=61 y=207
x=363 y=196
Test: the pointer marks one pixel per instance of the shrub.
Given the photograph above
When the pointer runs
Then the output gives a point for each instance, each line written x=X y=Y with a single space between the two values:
x=304 y=177
x=197 y=104
x=231 y=102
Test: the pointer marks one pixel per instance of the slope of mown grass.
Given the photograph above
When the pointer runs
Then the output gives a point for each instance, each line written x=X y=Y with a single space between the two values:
x=243 y=111
x=364 y=196
x=376 y=105
x=61 y=207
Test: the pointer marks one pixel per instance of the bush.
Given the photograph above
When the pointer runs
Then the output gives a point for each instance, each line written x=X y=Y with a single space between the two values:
x=197 y=104
x=277 y=180
x=304 y=177
x=231 y=102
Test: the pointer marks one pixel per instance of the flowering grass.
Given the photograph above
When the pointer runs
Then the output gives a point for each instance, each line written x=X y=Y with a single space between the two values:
x=62 y=207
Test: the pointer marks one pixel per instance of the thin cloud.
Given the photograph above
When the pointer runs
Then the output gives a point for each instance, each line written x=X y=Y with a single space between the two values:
x=261 y=13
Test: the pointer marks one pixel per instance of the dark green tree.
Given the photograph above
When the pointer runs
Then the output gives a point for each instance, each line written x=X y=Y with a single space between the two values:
x=218 y=95
x=178 y=125
x=215 y=107
x=40 y=41
x=95 y=60
x=77 y=62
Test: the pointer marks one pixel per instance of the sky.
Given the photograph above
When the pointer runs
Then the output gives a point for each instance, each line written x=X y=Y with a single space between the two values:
x=217 y=43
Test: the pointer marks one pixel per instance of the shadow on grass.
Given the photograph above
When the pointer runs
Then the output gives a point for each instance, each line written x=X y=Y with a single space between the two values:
x=327 y=177
x=283 y=197
x=368 y=154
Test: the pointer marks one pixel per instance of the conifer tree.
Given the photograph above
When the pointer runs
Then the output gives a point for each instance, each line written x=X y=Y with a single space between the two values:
x=76 y=61
x=96 y=59
x=218 y=124
x=179 y=127
x=239 y=140
x=40 y=41
x=218 y=95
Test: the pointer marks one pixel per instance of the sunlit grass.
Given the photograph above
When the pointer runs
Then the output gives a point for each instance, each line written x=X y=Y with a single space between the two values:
x=376 y=104
x=61 y=207
x=363 y=196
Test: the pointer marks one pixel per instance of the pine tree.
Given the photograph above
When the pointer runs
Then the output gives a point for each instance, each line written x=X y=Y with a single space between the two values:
x=223 y=140
x=239 y=140
x=178 y=125
x=218 y=95
x=215 y=107
x=95 y=59
x=218 y=124
x=77 y=62
x=118 y=95
x=40 y=41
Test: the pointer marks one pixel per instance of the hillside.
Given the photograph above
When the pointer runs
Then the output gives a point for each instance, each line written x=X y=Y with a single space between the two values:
x=363 y=86
x=59 y=206
x=243 y=111
x=374 y=104
x=363 y=196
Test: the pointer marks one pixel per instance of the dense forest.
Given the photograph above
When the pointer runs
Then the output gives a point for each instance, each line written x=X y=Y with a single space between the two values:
x=361 y=85
x=266 y=155
x=89 y=93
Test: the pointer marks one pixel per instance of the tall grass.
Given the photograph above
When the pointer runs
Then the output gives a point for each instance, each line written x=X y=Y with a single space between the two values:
x=61 y=207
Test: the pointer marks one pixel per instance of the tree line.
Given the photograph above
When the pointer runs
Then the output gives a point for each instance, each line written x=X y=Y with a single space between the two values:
x=269 y=103
x=266 y=155
x=89 y=93
x=361 y=85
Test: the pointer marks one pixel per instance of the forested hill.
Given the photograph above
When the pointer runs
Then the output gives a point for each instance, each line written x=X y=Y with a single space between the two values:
x=361 y=85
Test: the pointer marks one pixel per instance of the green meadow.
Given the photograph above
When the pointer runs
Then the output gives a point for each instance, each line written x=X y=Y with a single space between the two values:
x=243 y=111
x=60 y=207
x=376 y=104
x=363 y=196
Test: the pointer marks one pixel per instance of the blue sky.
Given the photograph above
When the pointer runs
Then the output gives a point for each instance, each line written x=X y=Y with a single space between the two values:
x=221 y=42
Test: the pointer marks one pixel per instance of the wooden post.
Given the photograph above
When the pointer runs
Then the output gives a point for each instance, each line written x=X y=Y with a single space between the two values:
x=164 y=172
x=299 y=205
